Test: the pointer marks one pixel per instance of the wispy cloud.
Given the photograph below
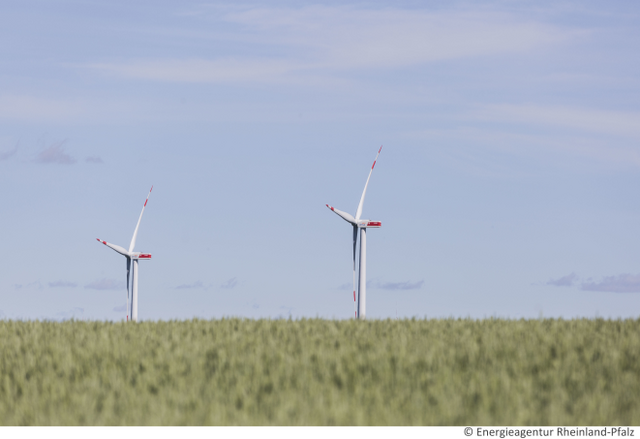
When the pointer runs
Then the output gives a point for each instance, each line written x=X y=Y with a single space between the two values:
x=73 y=312
x=199 y=70
x=106 y=284
x=351 y=37
x=230 y=284
x=16 y=107
x=197 y=284
x=576 y=118
x=93 y=159
x=62 y=283
x=37 y=284
x=327 y=39
x=379 y=285
x=622 y=283
x=55 y=154
x=395 y=285
x=8 y=154
x=287 y=310
x=121 y=308
x=564 y=281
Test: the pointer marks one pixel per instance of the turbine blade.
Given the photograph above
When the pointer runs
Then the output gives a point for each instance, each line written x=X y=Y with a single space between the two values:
x=355 y=239
x=346 y=216
x=135 y=233
x=117 y=248
x=359 y=211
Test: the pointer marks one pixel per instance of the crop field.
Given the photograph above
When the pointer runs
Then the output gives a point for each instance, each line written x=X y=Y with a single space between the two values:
x=321 y=372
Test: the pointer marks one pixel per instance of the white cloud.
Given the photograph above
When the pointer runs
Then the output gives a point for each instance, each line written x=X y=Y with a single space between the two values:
x=94 y=159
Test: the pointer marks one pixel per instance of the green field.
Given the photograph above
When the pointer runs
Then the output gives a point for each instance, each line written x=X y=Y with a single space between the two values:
x=321 y=372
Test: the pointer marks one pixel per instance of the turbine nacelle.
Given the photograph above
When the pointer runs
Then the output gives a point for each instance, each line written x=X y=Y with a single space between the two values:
x=367 y=224
x=140 y=256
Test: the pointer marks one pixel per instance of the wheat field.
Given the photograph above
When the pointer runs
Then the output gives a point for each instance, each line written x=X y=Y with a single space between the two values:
x=321 y=372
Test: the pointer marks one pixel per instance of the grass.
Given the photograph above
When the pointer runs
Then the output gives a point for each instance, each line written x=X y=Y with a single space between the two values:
x=321 y=372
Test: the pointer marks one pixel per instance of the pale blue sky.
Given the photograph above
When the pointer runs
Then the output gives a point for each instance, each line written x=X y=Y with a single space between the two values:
x=508 y=186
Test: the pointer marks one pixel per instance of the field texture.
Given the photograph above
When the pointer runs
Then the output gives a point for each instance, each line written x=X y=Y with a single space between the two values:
x=321 y=372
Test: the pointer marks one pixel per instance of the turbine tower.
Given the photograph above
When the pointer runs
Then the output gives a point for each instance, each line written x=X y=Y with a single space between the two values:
x=360 y=309
x=135 y=257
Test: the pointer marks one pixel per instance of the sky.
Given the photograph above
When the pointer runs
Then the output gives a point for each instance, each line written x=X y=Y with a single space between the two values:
x=508 y=185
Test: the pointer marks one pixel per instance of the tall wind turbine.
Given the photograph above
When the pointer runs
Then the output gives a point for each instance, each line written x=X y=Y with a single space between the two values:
x=135 y=257
x=363 y=225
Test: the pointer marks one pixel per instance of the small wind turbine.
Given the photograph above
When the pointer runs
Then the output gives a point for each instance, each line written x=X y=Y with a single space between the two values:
x=363 y=225
x=135 y=257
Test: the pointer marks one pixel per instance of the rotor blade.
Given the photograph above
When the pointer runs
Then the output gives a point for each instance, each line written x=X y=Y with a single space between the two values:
x=355 y=238
x=135 y=233
x=346 y=216
x=128 y=269
x=117 y=248
x=359 y=211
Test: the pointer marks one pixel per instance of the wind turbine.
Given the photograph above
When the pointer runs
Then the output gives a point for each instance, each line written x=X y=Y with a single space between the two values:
x=135 y=257
x=363 y=225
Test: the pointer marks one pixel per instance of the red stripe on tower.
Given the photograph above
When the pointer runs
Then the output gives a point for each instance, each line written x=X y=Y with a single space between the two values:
x=374 y=163
x=380 y=149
